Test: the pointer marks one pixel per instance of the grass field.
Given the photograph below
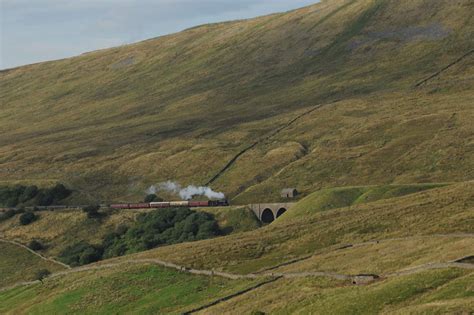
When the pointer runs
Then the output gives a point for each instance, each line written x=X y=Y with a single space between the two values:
x=132 y=289
x=19 y=265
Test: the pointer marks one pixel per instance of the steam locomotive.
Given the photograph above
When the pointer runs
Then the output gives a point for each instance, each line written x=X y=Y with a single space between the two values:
x=171 y=204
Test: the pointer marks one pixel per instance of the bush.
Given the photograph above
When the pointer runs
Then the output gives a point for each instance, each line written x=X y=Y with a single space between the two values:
x=161 y=227
x=32 y=195
x=29 y=193
x=35 y=245
x=42 y=274
x=153 y=229
x=92 y=211
x=28 y=218
x=81 y=253
x=152 y=198
x=7 y=215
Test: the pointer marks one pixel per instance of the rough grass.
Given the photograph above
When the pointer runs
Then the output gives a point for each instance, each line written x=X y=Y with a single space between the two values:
x=60 y=229
x=442 y=210
x=57 y=230
x=387 y=256
x=19 y=265
x=434 y=292
x=419 y=217
x=132 y=289
x=340 y=197
x=112 y=122
x=234 y=219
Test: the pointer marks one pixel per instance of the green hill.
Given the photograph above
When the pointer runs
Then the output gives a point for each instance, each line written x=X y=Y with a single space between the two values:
x=435 y=213
x=322 y=96
x=304 y=263
x=17 y=264
x=59 y=229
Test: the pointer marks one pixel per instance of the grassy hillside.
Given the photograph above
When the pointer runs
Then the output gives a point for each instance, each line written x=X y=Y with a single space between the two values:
x=409 y=241
x=60 y=229
x=57 y=230
x=365 y=106
x=180 y=107
x=434 y=212
x=131 y=289
x=433 y=292
x=339 y=197
x=18 y=264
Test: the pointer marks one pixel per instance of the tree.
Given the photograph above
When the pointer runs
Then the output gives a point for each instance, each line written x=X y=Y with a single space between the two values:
x=152 y=198
x=90 y=255
x=81 y=253
x=27 y=218
x=44 y=198
x=29 y=193
x=8 y=214
x=60 y=192
x=11 y=202
x=42 y=274
x=35 y=245
x=92 y=211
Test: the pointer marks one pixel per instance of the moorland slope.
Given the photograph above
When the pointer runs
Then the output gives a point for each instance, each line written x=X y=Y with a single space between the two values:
x=364 y=105
x=328 y=95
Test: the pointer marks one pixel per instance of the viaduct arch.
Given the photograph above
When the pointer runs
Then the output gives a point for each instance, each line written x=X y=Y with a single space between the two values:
x=269 y=212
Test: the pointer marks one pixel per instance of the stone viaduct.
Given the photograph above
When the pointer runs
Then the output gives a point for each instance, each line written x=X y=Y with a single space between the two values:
x=268 y=212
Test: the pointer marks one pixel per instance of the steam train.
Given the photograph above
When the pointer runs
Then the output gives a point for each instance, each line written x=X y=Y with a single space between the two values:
x=171 y=204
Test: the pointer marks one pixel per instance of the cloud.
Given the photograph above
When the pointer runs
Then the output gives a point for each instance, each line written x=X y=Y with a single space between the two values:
x=73 y=27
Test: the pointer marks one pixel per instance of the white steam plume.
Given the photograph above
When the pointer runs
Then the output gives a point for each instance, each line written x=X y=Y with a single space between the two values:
x=185 y=193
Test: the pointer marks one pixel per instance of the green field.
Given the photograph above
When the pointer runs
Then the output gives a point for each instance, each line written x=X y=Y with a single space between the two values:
x=133 y=289
x=19 y=265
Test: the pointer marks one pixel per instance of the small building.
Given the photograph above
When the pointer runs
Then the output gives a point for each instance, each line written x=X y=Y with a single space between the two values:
x=289 y=193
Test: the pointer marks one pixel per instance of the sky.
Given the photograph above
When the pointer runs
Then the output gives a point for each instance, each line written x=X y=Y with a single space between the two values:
x=40 y=30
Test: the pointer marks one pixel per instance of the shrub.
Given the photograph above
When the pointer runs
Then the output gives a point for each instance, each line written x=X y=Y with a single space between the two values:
x=35 y=245
x=13 y=196
x=161 y=227
x=42 y=274
x=28 y=218
x=44 y=199
x=11 y=202
x=152 y=198
x=60 y=192
x=7 y=215
x=153 y=229
x=92 y=211
x=80 y=254
x=29 y=193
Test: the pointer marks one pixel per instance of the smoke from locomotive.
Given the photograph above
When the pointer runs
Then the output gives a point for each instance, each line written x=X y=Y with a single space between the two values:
x=186 y=193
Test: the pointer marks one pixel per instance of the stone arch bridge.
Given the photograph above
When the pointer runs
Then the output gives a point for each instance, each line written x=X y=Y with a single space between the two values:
x=268 y=212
